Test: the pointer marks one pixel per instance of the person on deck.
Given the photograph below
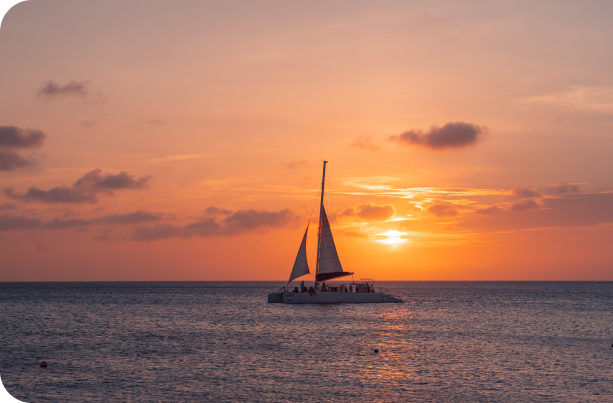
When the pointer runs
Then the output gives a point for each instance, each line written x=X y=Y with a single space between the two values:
x=302 y=287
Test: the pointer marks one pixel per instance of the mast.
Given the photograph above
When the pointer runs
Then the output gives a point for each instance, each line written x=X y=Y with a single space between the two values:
x=321 y=209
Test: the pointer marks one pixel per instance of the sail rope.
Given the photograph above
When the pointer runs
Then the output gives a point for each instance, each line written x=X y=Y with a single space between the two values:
x=311 y=216
x=336 y=222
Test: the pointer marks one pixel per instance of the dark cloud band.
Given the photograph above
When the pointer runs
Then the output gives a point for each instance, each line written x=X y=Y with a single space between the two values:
x=234 y=224
x=9 y=161
x=84 y=190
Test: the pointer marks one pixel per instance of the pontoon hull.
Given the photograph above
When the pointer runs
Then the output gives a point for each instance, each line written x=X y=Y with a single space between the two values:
x=331 y=298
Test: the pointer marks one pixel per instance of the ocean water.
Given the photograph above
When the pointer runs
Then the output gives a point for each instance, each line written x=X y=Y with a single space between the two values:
x=222 y=341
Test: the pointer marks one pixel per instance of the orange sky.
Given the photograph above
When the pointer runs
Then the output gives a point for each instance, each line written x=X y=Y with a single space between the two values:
x=465 y=140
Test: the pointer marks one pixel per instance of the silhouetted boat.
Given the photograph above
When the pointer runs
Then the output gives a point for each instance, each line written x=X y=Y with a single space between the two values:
x=328 y=267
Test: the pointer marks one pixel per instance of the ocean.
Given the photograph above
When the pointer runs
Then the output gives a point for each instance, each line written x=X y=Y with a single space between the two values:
x=222 y=341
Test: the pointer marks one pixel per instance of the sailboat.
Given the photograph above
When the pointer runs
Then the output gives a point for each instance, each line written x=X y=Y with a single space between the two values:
x=328 y=268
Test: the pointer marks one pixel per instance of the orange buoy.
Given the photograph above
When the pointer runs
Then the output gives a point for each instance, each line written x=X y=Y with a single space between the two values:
x=43 y=364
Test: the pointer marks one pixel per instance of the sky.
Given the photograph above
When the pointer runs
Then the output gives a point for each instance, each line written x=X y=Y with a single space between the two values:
x=184 y=140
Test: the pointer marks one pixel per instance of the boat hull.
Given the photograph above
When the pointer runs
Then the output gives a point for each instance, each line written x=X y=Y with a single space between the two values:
x=332 y=298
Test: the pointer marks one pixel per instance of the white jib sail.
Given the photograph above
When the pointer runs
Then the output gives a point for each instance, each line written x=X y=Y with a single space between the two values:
x=301 y=266
x=328 y=257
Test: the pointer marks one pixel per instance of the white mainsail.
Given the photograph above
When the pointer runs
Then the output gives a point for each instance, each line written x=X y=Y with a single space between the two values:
x=328 y=263
x=301 y=265
x=328 y=256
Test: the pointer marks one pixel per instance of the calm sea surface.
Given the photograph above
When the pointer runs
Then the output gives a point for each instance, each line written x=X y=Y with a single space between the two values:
x=201 y=341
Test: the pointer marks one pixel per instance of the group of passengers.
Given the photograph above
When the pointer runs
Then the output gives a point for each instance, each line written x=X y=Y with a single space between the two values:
x=361 y=287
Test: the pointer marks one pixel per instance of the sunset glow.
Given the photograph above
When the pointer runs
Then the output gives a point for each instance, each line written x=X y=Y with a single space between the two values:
x=185 y=140
x=393 y=238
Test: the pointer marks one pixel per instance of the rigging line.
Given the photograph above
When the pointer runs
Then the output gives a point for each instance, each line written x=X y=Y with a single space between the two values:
x=336 y=222
x=314 y=203
x=311 y=216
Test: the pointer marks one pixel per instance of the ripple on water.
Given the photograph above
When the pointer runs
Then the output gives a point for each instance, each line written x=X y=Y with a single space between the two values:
x=457 y=341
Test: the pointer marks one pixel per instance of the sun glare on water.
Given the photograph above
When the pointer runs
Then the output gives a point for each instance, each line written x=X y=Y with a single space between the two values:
x=393 y=238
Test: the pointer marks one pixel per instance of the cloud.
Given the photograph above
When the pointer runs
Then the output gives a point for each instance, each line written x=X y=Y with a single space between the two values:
x=84 y=190
x=370 y=211
x=94 y=180
x=365 y=143
x=492 y=210
x=159 y=231
x=8 y=206
x=237 y=223
x=355 y=233
x=133 y=218
x=51 y=89
x=452 y=135
x=245 y=220
x=18 y=222
x=586 y=98
x=526 y=193
x=55 y=195
x=525 y=205
x=179 y=157
x=442 y=210
x=205 y=228
x=14 y=137
x=63 y=224
x=562 y=189
x=9 y=161
x=215 y=211
x=564 y=211
x=8 y=222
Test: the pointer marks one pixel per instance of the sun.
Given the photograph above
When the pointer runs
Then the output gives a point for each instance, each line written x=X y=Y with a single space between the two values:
x=393 y=238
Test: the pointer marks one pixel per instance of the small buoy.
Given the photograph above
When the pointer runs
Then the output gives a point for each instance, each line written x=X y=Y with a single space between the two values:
x=376 y=350
x=43 y=364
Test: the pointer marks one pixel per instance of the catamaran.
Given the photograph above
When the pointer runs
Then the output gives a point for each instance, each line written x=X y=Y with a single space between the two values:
x=328 y=267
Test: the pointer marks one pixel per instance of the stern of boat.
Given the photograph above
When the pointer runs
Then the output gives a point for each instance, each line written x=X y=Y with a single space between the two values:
x=275 y=298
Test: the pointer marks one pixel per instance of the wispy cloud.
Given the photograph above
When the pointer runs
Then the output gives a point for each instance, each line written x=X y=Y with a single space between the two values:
x=180 y=157
x=579 y=97
x=21 y=222
x=442 y=209
x=370 y=211
x=355 y=232
x=525 y=205
x=236 y=223
x=365 y=143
